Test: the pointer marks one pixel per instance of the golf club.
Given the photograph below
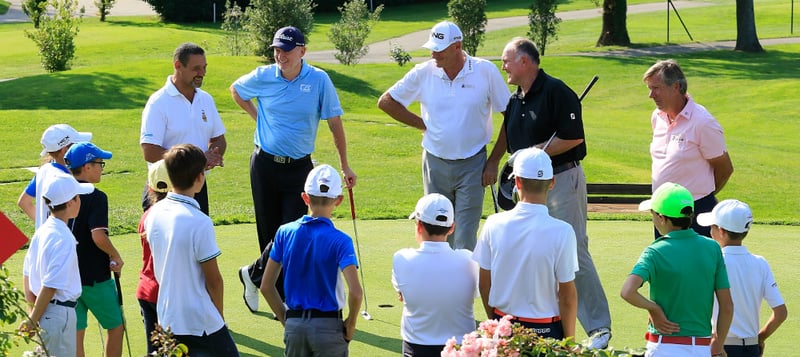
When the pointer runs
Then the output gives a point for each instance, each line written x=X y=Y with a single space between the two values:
x=494 y=198
x=124 y=324
x=364 y=313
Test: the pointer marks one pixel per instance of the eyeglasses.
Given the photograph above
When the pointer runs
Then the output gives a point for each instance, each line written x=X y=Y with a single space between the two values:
x=101 y=163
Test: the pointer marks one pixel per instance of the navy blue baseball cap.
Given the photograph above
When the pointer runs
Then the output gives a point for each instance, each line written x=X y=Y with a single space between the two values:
x=287 y=38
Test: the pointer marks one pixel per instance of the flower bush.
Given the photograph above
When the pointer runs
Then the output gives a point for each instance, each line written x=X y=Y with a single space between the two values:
x=504 y=338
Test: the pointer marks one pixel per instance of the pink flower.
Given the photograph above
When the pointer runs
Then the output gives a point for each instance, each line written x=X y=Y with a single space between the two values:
x=488 y=327
x=504 y=327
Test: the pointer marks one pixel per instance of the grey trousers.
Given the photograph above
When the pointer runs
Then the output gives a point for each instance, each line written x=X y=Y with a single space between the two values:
x=317 y=337
x=567 y=202
x=59 y=325
x=460 y=182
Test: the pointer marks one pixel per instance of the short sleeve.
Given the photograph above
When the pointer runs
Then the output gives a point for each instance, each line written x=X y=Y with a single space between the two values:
x=154 y=124
x=498 y=90
x=247 y=85
x=711 y=139
x=567 y=263
x=770 y=288
x=643 y=267
x=408 y=89
x=98 y=211
x=205 y=243
x=329 y=103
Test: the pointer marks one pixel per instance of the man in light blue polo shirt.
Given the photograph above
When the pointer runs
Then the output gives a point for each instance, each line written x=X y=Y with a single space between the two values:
x=293 y=97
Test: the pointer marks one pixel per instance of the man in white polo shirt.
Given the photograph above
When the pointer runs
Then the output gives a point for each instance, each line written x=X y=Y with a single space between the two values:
x=457 y=95
x=435 y=283
x=527 y=258
x=182 y=113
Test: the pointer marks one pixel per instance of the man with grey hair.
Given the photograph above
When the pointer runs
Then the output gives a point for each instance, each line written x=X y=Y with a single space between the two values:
x=457 y=95
x=545 y=113
x=182 y=113
x=688 y=144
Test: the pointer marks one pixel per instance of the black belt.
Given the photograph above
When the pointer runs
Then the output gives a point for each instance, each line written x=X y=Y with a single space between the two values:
x=64 y=303
x=313 y=313
x=565 y=166
x=282 y=159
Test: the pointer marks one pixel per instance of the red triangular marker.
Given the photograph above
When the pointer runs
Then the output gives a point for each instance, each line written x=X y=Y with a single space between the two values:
x=11 y=238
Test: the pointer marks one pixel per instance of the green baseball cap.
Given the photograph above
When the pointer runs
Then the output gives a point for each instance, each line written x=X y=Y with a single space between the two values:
x=669 y=200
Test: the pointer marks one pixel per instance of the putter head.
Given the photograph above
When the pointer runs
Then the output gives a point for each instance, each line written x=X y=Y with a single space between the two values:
x=366 y=315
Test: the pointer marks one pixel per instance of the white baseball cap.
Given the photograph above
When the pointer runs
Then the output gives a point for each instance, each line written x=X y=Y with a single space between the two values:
x=730 y=215
x=324 y=181
x=434 y=209
x=531 y=163
x=442 y=36
x=58 y=136
x=60 y=188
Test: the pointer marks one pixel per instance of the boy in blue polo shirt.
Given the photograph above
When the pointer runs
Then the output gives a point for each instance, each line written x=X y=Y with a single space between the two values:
x=97 y=256
x=314 y=256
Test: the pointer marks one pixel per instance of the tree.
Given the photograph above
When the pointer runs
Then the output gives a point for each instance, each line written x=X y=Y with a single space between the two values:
x=187 y=10
x=265 y=17
x=351 y=32
x=470 y=16
x=34 y=9
x=233 y=25
x=615 y=28
x=746 y=37
x=543 y=23
x=104 y=8
x=55 y=36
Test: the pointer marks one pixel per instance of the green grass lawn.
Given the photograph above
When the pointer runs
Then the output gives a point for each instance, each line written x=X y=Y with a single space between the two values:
x=615 y=247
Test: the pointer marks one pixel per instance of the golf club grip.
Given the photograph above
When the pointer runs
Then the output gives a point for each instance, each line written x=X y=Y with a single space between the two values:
x=352 y=205
x=588 y=87
x=119 y=288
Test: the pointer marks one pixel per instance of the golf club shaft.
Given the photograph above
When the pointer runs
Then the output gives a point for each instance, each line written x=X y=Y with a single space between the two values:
x=494 y=198
x=358 y=250
x=122 y=311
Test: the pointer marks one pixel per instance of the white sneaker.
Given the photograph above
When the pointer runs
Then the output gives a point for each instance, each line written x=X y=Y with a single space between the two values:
x=599 y=338
x=250 y=294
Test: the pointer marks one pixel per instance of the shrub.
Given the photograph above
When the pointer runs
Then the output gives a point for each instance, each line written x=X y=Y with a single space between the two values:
x=233 y=25
x=104 y=8
x=55 y=36
x=265 y=17
x=470 y=16
x=34 y=9
x=398 y=54
x=351 y=32
x=543 y=22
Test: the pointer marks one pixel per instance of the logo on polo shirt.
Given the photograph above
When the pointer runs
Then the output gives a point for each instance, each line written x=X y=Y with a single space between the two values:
x=305 y=88
x=572 y=116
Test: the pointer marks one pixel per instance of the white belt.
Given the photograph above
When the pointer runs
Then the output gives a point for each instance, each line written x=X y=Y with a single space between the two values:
x=735 y=341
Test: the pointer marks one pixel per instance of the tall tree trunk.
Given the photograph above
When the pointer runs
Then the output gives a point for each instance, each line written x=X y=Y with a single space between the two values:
x=615 y=28
x=746 y=37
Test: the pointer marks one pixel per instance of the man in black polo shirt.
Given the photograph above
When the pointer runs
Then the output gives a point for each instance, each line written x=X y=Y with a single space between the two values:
x=545 y=113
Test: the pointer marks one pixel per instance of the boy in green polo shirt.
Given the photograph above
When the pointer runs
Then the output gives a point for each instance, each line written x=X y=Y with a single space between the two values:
x=685 y=271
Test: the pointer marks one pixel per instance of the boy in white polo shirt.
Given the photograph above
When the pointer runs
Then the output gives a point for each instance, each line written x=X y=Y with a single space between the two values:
x=185 y=252
x=750 y=277
x=435 y=283
x=527 y=258
x=51 y=267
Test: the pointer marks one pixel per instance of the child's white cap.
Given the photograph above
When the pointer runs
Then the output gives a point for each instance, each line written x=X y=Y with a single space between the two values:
x=324 y=181
x=60 y=188
x=730 y=215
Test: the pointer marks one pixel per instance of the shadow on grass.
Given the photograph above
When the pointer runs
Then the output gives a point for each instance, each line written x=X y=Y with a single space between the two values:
x=391 y=344
x=350 y=84
x=773 y=64
x=74 y=91
x=264 y=348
